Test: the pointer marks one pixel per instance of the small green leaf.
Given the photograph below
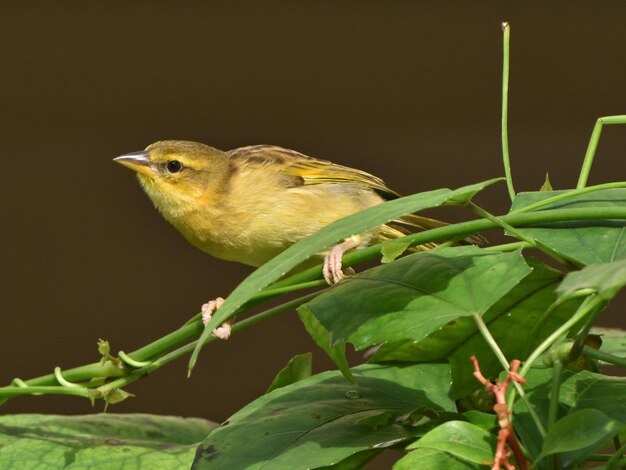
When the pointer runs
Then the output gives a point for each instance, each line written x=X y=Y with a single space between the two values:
x=586 y=429
x=432 y=459
x=606 y=279
x=319 y=422
x=116 y=395
x=128 y=441
x=546 y=186
x=393 y=248
x=321 y=336
x=298 y=368
x=103 y=348
x=463 y=440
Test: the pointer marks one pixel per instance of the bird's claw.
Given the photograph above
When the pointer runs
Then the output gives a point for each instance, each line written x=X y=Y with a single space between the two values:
x=223 y=331
x=332 y=262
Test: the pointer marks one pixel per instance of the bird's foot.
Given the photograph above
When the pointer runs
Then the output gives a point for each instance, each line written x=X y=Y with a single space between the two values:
x=222 y=332
x=332 y=262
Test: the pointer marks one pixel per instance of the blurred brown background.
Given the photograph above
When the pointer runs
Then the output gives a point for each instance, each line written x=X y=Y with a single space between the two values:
x=409 y=91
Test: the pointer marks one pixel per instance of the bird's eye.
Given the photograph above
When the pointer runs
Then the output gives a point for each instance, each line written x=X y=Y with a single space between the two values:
x=174 y=166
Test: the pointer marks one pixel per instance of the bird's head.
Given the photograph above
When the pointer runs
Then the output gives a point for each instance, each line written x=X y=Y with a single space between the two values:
x=178 y=175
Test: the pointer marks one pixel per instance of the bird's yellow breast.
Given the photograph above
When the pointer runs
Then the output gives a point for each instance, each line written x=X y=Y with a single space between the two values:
x=257 y=217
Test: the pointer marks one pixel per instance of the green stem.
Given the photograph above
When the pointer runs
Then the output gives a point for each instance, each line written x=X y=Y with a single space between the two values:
x=593 y=146
x=76 y=374
x=586 y=308
x=514 y=246
x=553 y=407
x=519 y=234
x=273 y=291
x=539 y=324
x=582 y=336
x=491 y=342
x=130 y=361
x=569 y=194
x=62 y=380
x=186 y=349
x=10 y=392
x=557 y=367
x=506 y=29
x=464 y=229
x=46 y=383
x=616 y=460
x=604 y=357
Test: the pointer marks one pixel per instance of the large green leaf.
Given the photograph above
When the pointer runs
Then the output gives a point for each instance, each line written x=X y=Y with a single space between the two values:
x=416 y=295
x=324 y=419
x=341 y=229
x=515 y=322
x=461 y=439
x=129 y=441
x=587 y=242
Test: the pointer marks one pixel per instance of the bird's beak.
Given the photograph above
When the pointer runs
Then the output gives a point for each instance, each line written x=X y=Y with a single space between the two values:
x=137 y=161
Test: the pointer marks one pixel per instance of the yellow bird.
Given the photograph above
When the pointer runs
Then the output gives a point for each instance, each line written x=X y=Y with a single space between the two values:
x=251 y=203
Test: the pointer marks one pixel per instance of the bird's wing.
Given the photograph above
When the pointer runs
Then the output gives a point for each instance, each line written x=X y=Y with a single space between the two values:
x=305 y=170
x=309 y=170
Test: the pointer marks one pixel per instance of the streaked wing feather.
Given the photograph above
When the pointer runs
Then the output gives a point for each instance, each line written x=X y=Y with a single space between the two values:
x=310 y=170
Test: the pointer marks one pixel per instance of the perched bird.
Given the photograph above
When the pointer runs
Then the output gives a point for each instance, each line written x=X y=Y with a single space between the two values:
x=251 y=203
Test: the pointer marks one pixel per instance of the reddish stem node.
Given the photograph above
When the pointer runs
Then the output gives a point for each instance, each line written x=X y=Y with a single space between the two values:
x=506 y=435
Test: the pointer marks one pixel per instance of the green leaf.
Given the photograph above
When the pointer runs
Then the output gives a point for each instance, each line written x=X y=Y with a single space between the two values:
x=606 y=279
x=613 y=340
x=432 y=459
x=129 y=441
x=332 y=233
x=298 y=368
x=515 y=322
x=416 y=295
x=604 y=393
x=354 y=462
x=582 y=430
x=391 y=249
x=587 y=242
x=486 y=421
x=323 y=419
x=461 y=439
x=579 y=391
x=321 y=336
x=546 y=186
